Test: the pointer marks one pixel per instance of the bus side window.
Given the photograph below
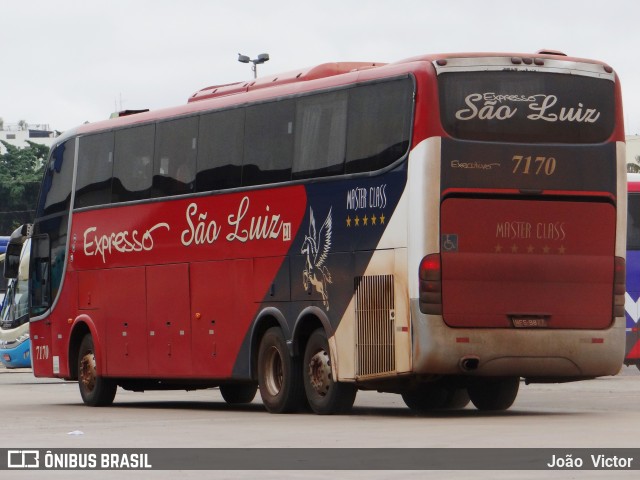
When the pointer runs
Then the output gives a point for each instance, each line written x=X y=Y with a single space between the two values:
x=133 y=164
x=95 y=169
x=320 y=137
x=220 y=150
x=268 y=151
x=379 y=124
x=174 y=169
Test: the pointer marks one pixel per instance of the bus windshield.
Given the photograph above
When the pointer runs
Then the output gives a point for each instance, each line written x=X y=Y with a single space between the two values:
x=15 y=309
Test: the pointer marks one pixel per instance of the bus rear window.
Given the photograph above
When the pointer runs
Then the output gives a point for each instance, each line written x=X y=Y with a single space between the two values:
x=526 y=107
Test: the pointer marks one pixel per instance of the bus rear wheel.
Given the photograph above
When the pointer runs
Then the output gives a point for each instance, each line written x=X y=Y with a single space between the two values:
x=237 y=394
x=325 y=396
x=436 y=396
x=493 y=393
x=96 y=391
x=279 y=374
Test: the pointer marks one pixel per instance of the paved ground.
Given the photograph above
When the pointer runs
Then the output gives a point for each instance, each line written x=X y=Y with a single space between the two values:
x=48 y=413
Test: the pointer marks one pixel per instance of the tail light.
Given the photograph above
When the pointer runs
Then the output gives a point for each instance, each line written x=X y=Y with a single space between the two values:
x=619 y=277
x=430 y=285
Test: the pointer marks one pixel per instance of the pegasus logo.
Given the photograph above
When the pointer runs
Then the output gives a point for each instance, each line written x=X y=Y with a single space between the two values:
x=316 y=246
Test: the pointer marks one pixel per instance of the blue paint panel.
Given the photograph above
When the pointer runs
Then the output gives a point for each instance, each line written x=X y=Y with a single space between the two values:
x=16 y=357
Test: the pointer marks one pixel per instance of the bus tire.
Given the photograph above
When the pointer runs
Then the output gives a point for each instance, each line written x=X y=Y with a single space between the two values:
x=96 y=391
x=457 y=399
x=426 y=397
x=279 y=374
x=238 y=393
x=436 y=395
x=493 y=393
x=325 y=396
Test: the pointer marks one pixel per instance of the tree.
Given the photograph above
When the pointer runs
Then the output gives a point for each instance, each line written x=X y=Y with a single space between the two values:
x=20 y=174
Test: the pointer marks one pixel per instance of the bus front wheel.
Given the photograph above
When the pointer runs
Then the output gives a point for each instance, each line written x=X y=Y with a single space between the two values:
x=493 y=393
x=96 y=391
x=279 y=374
x=325 y=396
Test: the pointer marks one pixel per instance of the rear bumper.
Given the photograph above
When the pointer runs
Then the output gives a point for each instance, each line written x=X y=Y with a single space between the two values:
x=530 y=353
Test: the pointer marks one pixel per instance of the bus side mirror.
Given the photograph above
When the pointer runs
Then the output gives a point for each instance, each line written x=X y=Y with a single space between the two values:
x=14 y=249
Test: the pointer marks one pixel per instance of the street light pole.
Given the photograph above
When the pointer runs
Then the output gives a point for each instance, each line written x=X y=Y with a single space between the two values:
x=263 y=57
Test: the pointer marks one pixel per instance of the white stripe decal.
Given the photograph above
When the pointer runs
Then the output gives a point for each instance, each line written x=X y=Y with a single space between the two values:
x=632 y=307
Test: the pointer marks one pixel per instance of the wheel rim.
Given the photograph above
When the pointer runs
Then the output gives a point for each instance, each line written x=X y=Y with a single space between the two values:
x=274 y=375
x=319 y=371
x=88 y=371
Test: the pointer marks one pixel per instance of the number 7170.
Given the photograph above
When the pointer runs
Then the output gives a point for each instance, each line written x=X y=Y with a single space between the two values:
x=534 y=165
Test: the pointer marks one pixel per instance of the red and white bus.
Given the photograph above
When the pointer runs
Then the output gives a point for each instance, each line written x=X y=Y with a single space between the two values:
x=439 y=227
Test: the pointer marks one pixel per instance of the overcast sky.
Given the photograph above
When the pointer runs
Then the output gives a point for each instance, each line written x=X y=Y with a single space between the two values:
x=65 y=62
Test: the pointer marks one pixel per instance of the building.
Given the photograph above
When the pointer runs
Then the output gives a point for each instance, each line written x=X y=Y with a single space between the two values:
x=19 y=135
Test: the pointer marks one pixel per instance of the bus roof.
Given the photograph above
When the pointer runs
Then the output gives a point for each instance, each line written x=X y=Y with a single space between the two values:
x=303 y=74
x=307 y=79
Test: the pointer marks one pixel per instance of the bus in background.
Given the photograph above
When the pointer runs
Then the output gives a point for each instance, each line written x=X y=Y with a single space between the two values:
x=3 y=281
x=632 y=296
x=423 y=227
x=14 y=317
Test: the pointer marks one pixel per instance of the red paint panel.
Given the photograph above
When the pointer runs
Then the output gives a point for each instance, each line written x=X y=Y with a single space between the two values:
x=92 y=288
x=168 y=320
x=125 y=315
x=221 y=311
x=276 y=290
x=41 y=354
x=260 y=223
x=199 y=305
x=527 y=259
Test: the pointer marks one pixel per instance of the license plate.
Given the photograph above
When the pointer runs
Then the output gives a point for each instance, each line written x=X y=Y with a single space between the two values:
x=530 y=322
